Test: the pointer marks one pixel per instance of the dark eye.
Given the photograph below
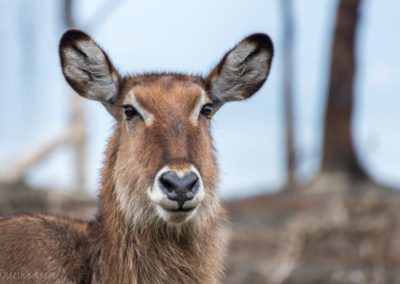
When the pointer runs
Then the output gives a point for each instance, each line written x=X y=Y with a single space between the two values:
x=130 y=112
x=206 y=110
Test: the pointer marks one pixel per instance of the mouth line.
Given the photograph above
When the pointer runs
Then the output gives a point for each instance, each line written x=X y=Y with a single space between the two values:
x=180 y=210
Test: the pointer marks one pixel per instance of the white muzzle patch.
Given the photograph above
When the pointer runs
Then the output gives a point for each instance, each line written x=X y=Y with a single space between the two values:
x=169 y=209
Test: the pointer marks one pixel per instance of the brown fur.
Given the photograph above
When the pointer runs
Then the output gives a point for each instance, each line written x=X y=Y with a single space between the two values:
x=129 y=242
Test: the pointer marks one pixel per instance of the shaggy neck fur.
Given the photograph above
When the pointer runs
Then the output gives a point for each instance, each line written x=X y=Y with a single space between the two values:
x=156 y=252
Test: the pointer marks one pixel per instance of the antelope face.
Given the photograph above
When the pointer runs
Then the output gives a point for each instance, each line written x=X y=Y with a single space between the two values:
x=166 y=143
x=164 y=162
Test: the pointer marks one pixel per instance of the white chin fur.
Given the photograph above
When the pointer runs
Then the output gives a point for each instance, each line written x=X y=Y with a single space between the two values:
x=165 y=206
x=175 y=217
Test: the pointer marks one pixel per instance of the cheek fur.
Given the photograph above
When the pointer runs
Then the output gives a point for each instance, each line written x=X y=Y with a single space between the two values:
x=137 y=159
x=203 y=156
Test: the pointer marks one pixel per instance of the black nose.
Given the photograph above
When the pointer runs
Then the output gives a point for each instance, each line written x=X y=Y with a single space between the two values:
x=179 y=189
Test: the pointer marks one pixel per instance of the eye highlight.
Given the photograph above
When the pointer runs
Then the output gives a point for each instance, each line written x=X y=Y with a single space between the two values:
x=130 y=112
x=206 y=110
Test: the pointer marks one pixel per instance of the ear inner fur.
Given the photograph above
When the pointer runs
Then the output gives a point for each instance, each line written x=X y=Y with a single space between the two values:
x=88 y=69
x=242 y=71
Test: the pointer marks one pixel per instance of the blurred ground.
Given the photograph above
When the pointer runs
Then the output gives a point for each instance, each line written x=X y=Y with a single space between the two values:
x=331 y=231
x=327 y=233
x=21 y=199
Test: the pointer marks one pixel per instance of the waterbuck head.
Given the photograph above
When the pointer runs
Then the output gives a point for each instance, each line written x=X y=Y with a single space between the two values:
x=164 y=167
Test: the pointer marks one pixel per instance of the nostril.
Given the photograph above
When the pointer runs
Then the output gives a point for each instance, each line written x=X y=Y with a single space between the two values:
x=168 y=180
x=190 y=180
x=189 y=195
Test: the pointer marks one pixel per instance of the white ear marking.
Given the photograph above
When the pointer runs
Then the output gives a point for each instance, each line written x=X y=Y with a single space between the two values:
x=239 y=54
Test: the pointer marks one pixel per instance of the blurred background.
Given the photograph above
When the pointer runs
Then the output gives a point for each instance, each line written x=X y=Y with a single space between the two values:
x=309 y=166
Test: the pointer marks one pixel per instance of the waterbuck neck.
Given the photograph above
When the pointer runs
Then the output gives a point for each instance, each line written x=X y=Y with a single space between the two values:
x=151 y=250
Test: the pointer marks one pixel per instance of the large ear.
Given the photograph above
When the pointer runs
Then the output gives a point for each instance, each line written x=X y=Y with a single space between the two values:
x=242 y=71
x=88 y=69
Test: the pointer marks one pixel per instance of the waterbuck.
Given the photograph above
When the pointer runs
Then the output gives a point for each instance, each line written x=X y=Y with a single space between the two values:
x=159 y=218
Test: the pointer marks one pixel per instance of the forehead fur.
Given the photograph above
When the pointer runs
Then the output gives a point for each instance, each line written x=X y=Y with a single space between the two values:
x=164 y=92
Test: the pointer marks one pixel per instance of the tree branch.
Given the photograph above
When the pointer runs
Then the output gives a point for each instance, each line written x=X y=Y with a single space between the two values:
x=17 y=171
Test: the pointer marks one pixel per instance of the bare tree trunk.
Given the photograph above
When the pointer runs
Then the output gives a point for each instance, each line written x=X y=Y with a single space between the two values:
x=78 y=117
x=75 y=134
x=68 y=16
x=80 y=144
x=100 y=16
x=287 y=80
x=338 y=149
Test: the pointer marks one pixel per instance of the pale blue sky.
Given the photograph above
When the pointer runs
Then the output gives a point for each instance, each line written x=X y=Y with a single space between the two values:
x=191 y=36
